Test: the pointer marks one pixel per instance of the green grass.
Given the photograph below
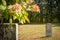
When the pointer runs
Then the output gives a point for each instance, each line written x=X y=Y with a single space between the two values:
x=37 y=32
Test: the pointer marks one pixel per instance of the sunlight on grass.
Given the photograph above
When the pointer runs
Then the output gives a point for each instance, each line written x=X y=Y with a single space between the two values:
x=37 y=32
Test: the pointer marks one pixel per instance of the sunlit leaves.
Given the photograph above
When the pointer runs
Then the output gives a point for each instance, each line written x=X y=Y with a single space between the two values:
x=10 y=20
x=2 y=7
x=26 y=18
x=9 y=7
x=4 y=2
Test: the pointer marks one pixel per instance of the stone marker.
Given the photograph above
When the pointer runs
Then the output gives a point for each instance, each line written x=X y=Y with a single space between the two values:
x=48 y=30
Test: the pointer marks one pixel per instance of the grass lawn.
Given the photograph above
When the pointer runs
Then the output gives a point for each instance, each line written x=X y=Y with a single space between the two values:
x=37 y=32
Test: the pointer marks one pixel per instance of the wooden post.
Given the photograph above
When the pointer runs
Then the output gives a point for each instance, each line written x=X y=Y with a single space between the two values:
x=8 y=32
x=48 y=29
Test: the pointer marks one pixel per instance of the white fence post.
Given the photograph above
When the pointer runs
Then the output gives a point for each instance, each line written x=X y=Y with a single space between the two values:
x=16 y=31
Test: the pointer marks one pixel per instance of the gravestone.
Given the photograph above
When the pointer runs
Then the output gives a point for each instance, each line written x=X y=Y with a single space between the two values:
x=48 y=30
x=8 y=32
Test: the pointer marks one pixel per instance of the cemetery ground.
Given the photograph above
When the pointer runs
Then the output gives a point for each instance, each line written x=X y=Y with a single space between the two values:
x=38 y=32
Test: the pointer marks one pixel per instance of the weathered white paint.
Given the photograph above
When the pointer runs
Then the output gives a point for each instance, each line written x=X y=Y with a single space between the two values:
x=16 y=31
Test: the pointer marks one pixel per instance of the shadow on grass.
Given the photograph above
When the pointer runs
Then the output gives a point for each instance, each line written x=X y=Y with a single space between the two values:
x=43 y=38
x=56 y=25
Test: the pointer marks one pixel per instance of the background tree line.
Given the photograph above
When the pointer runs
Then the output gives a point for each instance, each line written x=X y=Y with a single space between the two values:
x=49 y=12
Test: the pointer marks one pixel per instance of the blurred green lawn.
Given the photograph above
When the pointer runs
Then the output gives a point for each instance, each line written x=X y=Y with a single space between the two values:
x=37 y=32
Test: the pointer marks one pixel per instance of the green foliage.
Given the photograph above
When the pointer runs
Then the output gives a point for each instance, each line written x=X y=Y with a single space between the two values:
x=4 y=2
x=2 y=7
x=9 y=2
x=10 y=20
x=50 y=12
x=11 y=15
x=6 y=15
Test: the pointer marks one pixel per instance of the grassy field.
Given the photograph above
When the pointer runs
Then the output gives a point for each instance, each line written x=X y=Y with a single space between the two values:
x=37 y=32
